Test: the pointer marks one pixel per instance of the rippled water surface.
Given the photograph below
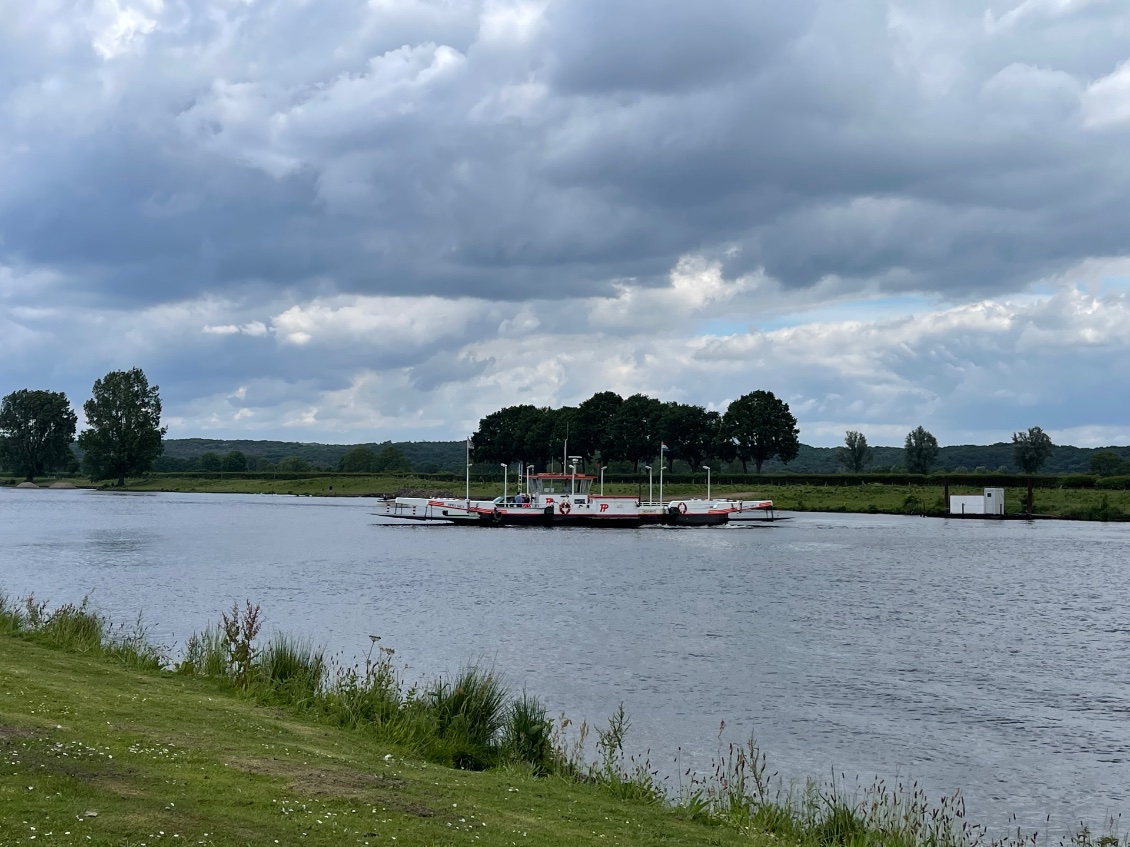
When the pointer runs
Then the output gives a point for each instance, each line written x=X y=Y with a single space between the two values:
x=990 y=657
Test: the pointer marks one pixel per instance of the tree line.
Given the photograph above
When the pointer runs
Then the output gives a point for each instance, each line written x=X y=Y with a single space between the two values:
x=359 y=459
x=755 y=428
x=1030 y=450
x=639 y=429
x=123 y=435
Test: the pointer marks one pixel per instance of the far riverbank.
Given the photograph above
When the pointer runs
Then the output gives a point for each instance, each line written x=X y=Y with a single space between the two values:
x=866 y=498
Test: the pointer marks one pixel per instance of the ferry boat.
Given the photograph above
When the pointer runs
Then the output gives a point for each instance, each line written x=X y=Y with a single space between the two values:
x=566 y=499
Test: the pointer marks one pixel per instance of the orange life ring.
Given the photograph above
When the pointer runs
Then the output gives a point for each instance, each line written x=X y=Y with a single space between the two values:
x=683 y=508
x=565 y=508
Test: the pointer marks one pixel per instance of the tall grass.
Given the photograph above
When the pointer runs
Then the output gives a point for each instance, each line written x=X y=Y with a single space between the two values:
x=291 y=668
x=77 y=628
x=11 y=621
x=372 y=696
x=458 y=721
x=467 y=714
x=743 y=794
x=205 y=654
x=527 y=736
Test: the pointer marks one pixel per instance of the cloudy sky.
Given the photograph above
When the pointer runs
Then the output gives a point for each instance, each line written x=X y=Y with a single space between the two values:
x=354 y=221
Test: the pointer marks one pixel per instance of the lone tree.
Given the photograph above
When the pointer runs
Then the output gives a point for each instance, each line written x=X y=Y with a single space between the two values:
x=124 y=416
x=761 y=427
x=855 y=455
x=36 y=431
x=1031 y=449
x=921 y=451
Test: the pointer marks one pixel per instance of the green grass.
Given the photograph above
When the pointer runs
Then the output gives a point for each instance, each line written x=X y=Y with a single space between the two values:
x=98 y=748
x=900 y=499
x=93 y=752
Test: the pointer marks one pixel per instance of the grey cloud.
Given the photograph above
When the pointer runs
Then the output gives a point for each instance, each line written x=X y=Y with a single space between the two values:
x=660 y=48
x=443 y=369
x=300 y=145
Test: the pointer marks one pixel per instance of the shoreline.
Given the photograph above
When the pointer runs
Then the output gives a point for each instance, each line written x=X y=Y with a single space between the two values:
x=871 y=498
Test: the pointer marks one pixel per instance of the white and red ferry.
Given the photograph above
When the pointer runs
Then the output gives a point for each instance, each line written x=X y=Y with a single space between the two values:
x=566 y=499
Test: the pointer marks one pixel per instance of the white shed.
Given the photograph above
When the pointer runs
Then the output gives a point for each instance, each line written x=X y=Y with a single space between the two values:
x=989 y=503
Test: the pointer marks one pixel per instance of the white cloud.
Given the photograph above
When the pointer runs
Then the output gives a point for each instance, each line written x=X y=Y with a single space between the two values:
x=120 y=27
x=1106 y=102
x=382 y=322
x=1034 y=9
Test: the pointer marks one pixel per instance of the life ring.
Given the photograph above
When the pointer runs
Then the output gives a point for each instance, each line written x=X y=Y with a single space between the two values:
x=683 y=508
x=565 y=508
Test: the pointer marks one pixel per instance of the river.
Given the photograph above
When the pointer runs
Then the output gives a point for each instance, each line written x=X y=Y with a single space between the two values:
x=988 y=657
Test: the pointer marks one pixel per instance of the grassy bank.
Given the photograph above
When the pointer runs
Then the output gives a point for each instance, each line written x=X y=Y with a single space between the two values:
x=99 y=746
x=101 y=742
x=875 y=498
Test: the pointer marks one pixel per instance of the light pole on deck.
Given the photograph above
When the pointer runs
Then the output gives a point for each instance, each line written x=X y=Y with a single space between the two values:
x=573 y=474
x=505 y=480
x=468 y=469
x=649 y=496
x=602 y=479
x=707 y=469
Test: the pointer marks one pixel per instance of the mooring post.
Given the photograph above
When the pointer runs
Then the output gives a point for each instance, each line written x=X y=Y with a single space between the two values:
x=1029 y=496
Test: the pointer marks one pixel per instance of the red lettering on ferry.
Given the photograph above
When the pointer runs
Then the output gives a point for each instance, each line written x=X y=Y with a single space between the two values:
x=548 y=499
x=604 y=507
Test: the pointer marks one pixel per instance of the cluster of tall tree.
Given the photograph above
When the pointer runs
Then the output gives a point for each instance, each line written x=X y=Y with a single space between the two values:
x=123 y=434
x=609 y=428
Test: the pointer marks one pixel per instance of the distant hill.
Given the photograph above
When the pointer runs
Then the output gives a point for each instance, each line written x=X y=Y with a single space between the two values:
x=426 y=456
x=433 y=456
